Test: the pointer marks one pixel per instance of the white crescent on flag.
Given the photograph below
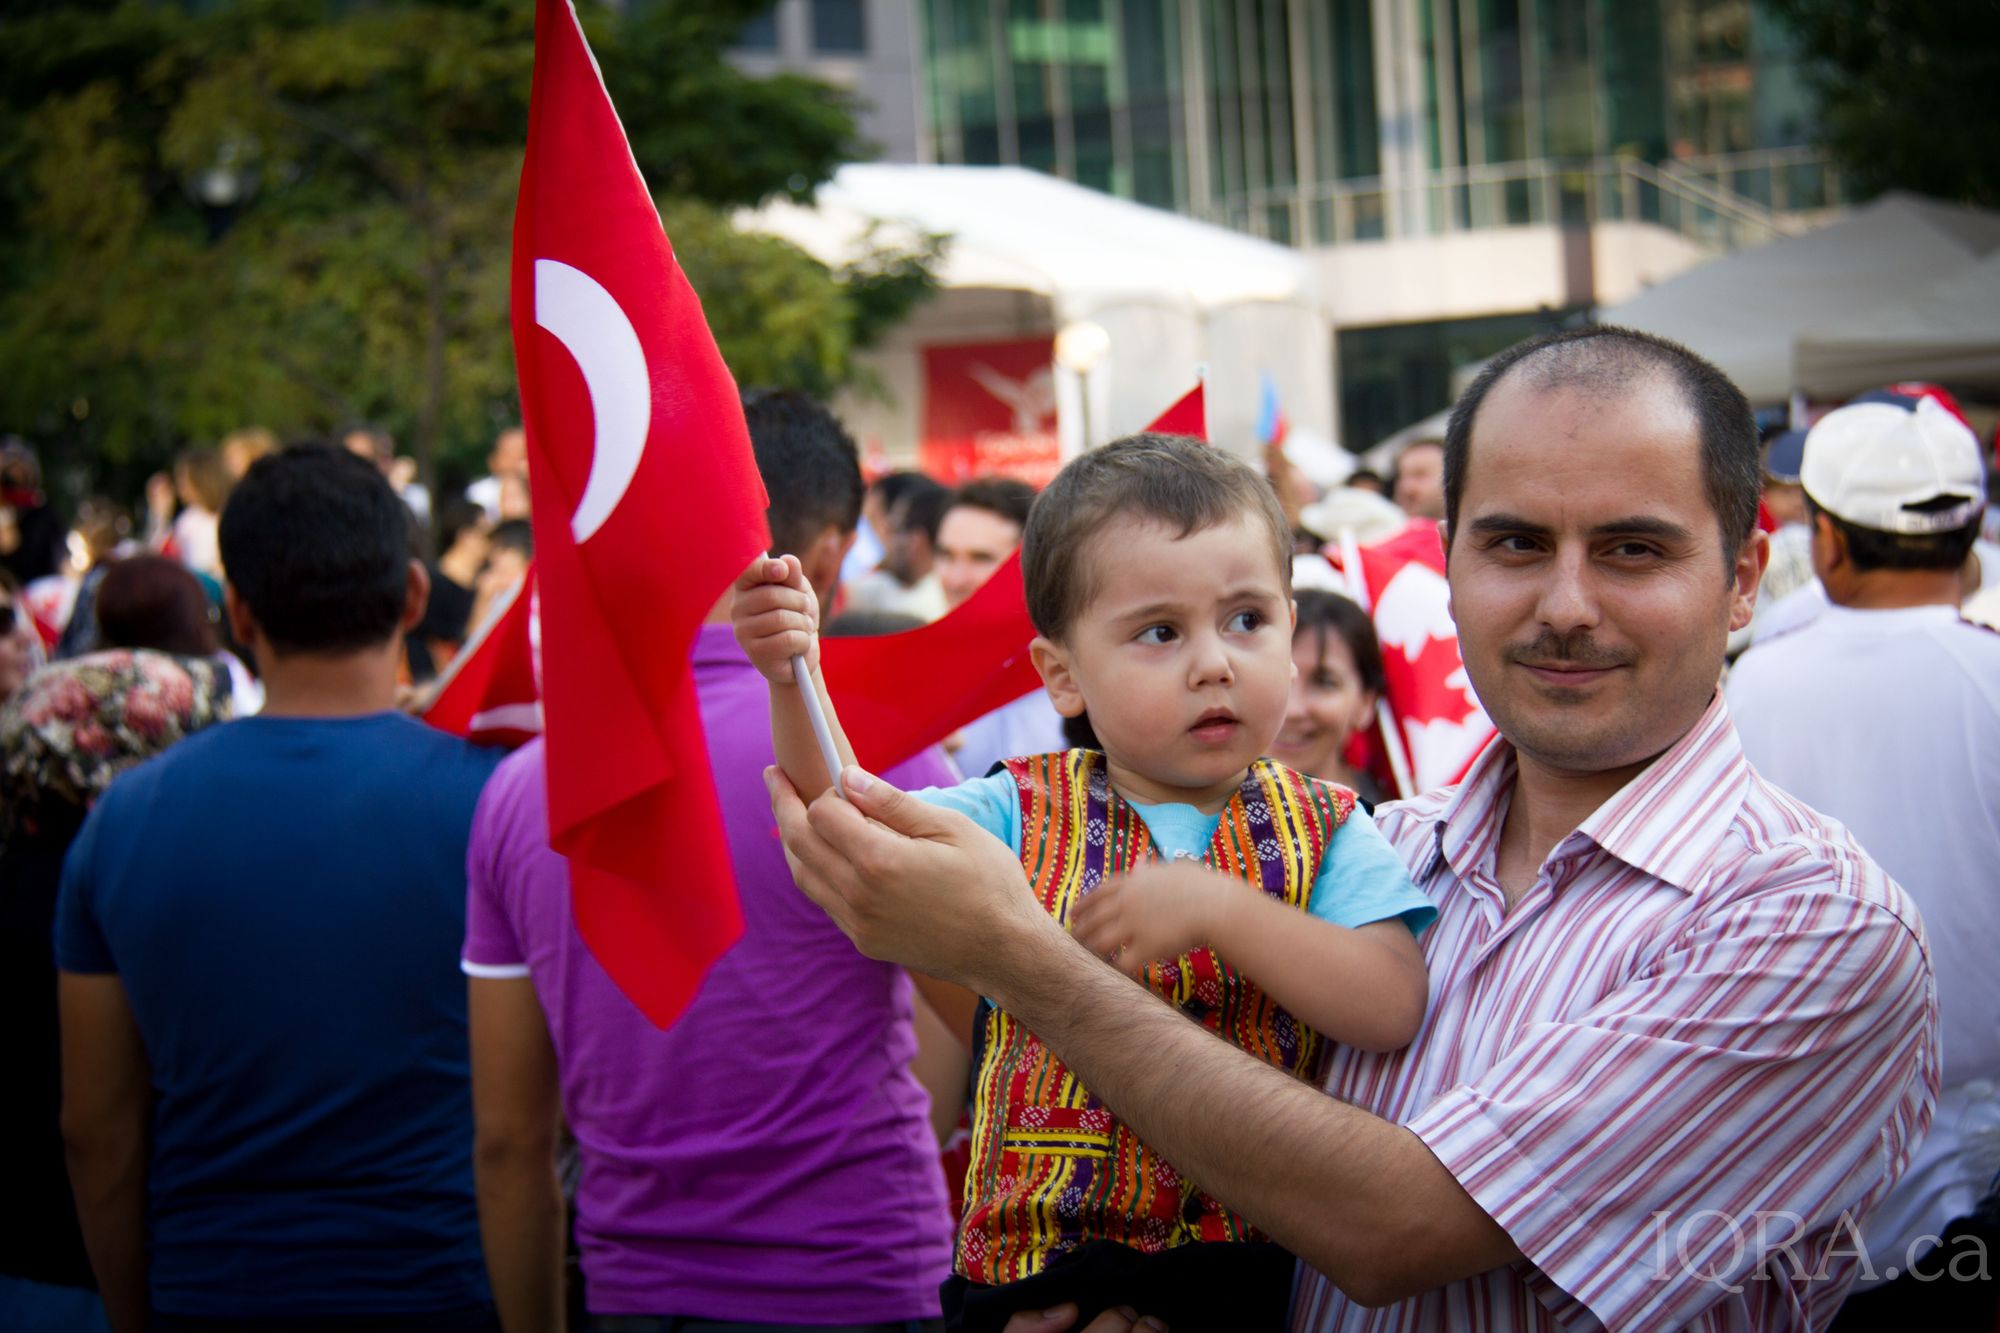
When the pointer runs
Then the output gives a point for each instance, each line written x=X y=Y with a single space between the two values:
x=588 y=320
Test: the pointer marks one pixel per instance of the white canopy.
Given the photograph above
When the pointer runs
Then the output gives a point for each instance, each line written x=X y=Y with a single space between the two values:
x=1949 y=332
x=1745 y=311
x=1173 y=293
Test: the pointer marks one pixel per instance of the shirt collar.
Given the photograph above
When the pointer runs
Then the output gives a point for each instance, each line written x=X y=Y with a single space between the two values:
x=1666 y=821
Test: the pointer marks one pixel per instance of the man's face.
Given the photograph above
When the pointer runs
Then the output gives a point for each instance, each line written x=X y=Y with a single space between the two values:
x=509 y=453
x=1587 y=574
x=970 y=546
x=1420 y=480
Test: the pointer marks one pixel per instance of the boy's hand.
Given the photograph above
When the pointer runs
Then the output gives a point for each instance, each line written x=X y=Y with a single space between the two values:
x=776 y=616
x=1156 y=913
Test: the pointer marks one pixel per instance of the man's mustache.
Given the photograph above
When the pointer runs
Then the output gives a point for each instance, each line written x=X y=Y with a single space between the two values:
x=1575 y=649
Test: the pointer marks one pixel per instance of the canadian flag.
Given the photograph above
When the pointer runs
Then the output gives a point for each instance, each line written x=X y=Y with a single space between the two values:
x=647 y=504
x=1433 y=726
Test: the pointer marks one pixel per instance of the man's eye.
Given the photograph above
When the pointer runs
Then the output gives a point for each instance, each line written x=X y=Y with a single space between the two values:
x=1157 y=634
x=1246 y=622
x=1633 y=550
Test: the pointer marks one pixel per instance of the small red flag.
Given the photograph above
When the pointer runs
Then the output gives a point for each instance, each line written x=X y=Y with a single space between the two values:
x=489 y=693
x=1188 y=415
x=647 y=504
x=898 y=693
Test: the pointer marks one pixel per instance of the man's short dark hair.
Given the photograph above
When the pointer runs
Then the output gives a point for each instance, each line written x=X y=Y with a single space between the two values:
x=317 y=545
x=1606 y=359
x=1011 y=499
x=1178 y=482
x=454 y=517
x=514 y=534
x=1871 y=549
x=811 y=469
x=921 y=506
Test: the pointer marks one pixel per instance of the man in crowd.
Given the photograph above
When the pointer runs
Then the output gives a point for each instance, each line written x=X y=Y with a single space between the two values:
x=265 y=1087
x=770 y=1158
x=906 y=508
x=981 y=527
x=1419 y=490
x=503 y=491
x=1682 y=1030
x=1884 y=712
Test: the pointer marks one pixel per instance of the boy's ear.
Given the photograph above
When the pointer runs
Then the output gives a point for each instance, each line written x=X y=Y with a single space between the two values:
x=1052 y=660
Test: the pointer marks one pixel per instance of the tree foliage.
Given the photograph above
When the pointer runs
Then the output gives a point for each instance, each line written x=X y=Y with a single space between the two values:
x=298 y=213
x=1906 y=91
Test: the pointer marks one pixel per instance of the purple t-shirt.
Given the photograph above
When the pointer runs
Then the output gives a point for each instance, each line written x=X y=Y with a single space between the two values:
x=770 y=1157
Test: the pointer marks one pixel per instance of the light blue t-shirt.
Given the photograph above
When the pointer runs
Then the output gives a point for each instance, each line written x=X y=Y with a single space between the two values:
x=1361 y=879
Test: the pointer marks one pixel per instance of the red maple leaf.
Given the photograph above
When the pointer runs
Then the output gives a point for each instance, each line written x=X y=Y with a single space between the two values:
x=1418 y=692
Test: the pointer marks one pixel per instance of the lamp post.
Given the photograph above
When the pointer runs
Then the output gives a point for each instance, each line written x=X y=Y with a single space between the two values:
x=1081 y=346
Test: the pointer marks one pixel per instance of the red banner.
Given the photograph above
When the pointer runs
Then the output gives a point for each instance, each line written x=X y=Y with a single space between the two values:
x=990 y=410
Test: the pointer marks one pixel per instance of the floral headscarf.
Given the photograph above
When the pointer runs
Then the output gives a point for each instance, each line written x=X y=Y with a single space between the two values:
x=79 y=723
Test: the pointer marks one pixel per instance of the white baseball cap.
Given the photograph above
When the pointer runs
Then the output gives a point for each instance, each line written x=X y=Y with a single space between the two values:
x=1885 y=468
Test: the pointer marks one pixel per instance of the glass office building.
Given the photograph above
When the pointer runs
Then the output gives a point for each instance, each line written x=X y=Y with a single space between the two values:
x=1327 y=122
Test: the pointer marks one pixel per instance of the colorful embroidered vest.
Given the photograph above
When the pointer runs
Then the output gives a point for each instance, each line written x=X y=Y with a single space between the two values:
x=1051 y=1168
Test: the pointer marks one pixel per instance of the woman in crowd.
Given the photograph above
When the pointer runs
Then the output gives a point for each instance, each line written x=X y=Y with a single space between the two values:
x=20 y=646
x=75 y=726
x=1333 y=696
x=149 y=601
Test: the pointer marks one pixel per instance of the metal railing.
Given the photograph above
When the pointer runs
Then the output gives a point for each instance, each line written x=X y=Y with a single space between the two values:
x=1698 y=198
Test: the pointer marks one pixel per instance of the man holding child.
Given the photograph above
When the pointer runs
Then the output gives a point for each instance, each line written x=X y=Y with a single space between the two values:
x=1681 y=1032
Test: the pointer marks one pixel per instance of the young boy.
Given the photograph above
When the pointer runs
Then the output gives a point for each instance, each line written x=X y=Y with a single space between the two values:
x=1260 y=902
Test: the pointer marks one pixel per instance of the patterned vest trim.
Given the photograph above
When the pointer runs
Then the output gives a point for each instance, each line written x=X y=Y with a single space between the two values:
x=1051 y=1167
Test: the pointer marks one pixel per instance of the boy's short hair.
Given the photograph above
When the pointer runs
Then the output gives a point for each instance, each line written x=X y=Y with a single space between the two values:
x=1171 y=479
x=318 y=547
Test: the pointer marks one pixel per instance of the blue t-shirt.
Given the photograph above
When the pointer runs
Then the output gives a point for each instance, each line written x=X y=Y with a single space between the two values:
x=1361 y=879
x=284 y=901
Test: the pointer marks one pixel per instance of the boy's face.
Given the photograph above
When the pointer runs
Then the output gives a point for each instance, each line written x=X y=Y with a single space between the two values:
x=1183 y=657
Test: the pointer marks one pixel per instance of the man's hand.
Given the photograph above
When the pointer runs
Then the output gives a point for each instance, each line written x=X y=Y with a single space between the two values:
x=908 y=882
x=776 y=616
x=1156 y=913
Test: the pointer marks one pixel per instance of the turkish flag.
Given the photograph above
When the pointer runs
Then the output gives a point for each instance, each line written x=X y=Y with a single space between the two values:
x=1438 y=722
x=647 y=504
x=898 y=693
x=489 y=693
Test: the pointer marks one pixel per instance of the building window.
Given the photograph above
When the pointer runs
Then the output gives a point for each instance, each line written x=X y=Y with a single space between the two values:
x=839 y=26
x=760 y=33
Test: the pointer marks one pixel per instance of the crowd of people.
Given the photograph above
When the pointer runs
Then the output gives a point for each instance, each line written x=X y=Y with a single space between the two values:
x=1676 y=1010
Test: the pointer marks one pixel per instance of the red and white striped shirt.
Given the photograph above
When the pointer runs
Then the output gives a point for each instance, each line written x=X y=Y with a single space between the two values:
x=1706 y=1032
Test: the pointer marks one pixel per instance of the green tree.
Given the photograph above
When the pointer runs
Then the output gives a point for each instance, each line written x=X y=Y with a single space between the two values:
x=298 y=213
x=1906 y=91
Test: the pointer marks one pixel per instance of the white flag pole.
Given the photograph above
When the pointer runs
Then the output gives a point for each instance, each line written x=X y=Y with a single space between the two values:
x=828 y=751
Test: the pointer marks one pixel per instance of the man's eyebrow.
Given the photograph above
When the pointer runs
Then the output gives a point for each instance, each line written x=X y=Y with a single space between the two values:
x=1635 y=525
x=1639 y=525
x=1491 y=524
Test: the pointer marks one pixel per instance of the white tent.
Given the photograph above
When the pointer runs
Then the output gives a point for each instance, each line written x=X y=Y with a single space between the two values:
x=1030 y=254
x=1949 y=332
x=1745 y=311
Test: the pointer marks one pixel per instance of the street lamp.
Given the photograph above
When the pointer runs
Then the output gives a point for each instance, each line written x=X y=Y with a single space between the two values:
x=1081 y=346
